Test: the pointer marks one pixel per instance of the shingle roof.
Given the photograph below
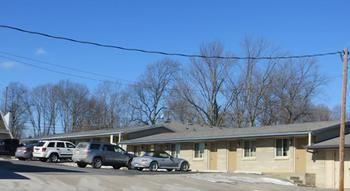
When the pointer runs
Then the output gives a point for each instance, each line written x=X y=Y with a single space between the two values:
x=235 y=133
x=172 y=126
x=331 y=143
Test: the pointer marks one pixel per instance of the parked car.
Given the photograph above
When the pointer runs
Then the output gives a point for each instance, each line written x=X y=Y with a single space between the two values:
x=25 y=152
x=159 y=160
x=53 y=150
x=99 y=154
x=8 y=146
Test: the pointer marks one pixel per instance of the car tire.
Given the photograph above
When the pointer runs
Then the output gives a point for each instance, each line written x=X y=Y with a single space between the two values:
x=116 y=166
x=97 y=162
x=169 y=169
x=129 y=164
x=53 y=158
x=139 y=169
x=81 y=164
x=20 y=158
x=43 y=159
x=184 y=167
x=153 y=166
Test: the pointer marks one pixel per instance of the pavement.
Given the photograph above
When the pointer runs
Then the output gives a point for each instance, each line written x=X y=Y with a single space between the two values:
x=36 y=175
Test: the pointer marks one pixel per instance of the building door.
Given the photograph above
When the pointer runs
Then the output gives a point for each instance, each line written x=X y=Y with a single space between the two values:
x=300 y=155
x=231 y=146
x=213 y=162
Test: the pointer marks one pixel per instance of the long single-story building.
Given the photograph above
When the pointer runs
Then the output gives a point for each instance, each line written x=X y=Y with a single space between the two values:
x=305 y=153
x=279 y=149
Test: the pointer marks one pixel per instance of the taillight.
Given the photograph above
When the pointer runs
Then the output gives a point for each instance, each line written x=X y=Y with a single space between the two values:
x=43 y=149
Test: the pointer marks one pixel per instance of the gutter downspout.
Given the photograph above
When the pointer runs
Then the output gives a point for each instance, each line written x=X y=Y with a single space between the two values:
x=309 y=139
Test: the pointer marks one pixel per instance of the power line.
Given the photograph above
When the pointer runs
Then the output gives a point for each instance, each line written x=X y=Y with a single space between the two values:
x=50 y=70
x=61 y=66
x=165 y=53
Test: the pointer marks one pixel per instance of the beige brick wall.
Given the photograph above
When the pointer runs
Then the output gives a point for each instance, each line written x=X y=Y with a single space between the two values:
x=325 y=165
x=187 y=152
x=265 y=159
x=222 y=152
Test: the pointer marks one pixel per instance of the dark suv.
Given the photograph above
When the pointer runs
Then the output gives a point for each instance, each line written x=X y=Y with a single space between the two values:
x=101 y=154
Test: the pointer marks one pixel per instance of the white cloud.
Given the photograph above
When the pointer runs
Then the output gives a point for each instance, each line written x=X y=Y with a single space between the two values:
x=7 y=64
x=40 y=51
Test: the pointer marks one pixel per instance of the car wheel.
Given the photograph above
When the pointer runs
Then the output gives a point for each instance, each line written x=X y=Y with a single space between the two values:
x=153 y=166
x=20 y=158
x=97 y=162
x=169 y=169
x=53 y=158
x=129 y=164
x=184 y=166
x=139 y=169
x=81 y=164
x=116 y=166
x=43 y=159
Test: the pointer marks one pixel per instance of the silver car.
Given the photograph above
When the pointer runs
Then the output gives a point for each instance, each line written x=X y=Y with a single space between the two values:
x=159 y=160
x=25 y=152
x=99 y=154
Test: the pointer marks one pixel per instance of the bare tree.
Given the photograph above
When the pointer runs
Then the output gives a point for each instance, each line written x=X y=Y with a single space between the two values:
x=254 y=83
x=107 y=106
x=41 y=107
x=202 y=85
x=73 y=104
x=295 y=84
x=150 y=91
x=16 y=96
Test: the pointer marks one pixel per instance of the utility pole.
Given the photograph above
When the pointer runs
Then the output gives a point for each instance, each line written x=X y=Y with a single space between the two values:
x=343 y=120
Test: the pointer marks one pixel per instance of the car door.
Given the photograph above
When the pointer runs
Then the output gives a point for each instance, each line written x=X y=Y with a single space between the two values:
x=69 y=149
x=166 y=160
x=61 y=149
x=108 y=154
x=119 y=155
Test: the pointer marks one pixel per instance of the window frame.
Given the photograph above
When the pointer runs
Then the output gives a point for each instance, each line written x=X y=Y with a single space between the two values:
x=251 y=151
x=201 y=150
x=282 y=148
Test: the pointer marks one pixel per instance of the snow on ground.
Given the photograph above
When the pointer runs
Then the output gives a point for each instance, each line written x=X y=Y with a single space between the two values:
x=235 y=178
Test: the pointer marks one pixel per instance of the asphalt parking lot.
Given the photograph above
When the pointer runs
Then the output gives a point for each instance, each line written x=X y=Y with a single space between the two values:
x=36 y=175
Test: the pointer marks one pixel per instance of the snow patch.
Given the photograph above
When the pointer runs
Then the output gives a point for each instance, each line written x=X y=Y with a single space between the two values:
x=234 y=179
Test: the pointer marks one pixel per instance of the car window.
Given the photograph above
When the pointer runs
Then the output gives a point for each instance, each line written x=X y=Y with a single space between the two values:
x=60 y=144
x=108 y=148
x=149 y=154
x=51 y=144
x=95 y=146
x=70 y=145
x=156 y=154
x=163 y=155
x=118 y=149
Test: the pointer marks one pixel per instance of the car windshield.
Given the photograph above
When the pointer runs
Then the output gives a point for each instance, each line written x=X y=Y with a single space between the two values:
x=82 y=145
x=40 y=144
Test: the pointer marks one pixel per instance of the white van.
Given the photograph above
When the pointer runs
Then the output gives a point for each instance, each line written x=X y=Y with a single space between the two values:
x=53 y=150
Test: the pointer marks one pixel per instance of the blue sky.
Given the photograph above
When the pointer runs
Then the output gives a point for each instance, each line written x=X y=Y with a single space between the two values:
x=298 y=26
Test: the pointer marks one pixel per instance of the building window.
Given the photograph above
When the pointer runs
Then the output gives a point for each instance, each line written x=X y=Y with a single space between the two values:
x=198 y=150
x=249 y=148
x=282 y=147
x=175 y=150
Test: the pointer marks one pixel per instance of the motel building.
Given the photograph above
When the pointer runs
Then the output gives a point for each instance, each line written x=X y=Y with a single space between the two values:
x=305 y=153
